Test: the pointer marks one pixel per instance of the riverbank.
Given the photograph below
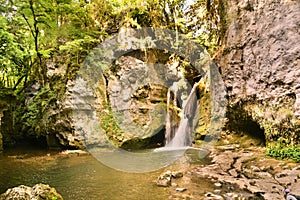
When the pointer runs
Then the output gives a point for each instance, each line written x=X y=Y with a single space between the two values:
x=239 y=173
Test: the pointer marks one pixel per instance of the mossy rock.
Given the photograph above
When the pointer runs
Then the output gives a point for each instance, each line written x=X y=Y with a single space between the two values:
x=37 y=192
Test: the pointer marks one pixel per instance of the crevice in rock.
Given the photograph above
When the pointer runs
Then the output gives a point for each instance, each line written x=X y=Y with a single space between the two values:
x=241 y=123
x=29 y=141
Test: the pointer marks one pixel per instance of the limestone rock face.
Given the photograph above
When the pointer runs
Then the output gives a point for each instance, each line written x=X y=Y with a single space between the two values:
x=134 y=93
x=37 y=192
x=260 y=64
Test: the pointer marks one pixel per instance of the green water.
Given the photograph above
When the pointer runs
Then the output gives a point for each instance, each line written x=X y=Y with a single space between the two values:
x=76 y=177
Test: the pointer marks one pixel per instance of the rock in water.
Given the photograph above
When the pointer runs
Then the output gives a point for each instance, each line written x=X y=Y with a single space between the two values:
x=164 y=180
x=37 y=192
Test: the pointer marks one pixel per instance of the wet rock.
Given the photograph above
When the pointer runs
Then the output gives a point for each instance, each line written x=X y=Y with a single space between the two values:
x=37 y=192
x=165 y=178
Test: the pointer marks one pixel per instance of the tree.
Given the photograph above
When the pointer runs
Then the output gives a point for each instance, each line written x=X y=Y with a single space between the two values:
x=15 y=58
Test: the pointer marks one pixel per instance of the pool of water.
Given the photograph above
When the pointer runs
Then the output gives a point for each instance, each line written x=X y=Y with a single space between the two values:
x=76 y=177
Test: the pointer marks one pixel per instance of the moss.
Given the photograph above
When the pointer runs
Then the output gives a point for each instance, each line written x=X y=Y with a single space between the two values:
x=34 y=116
x=276 y=121
x=204 y=113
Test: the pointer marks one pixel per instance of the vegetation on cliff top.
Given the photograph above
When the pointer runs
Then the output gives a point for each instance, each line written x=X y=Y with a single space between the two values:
x=39 y=35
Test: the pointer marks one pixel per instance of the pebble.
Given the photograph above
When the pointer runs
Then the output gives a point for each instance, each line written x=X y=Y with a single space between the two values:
x=217 y=191
x=232 y=195
x=255 y=168
x=174 y=184
x=177 y=174
x=180 y=189
x=213 y=196
x=218 y=184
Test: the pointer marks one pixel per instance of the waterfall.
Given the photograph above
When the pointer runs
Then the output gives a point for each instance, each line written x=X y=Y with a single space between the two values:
x=171 y=117
x=181 y=137
x=168 y=118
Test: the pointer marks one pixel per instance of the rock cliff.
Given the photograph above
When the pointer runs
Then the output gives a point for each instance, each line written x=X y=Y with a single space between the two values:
x=260 y=65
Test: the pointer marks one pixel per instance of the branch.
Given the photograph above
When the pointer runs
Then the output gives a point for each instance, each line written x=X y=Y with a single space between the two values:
x=27 y=22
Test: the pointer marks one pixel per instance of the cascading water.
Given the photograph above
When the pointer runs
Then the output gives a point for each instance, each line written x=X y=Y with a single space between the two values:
x=181 y=137
x=168 y=134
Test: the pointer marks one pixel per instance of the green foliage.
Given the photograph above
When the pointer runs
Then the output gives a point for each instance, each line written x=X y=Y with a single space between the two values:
x=14 y=53
x=33 y=117
x=284 y=151
x=34 y=33
x=109 y=123
x=207 y=23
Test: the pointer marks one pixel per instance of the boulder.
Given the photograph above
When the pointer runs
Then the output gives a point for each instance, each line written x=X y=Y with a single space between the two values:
x=37 y=192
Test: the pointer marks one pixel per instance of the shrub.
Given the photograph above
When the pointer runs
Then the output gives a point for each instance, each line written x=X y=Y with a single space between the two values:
x=283 y=151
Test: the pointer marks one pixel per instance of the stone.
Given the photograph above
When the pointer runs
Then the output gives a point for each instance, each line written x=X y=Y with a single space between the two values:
x=218 y=184
x=164 y=180
x=174 y=184
x=180 y=189
x=217 y=191
x=37 y=192
x=255 y=168
x=212 y=196
x=260 y=183
x=177 y=174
